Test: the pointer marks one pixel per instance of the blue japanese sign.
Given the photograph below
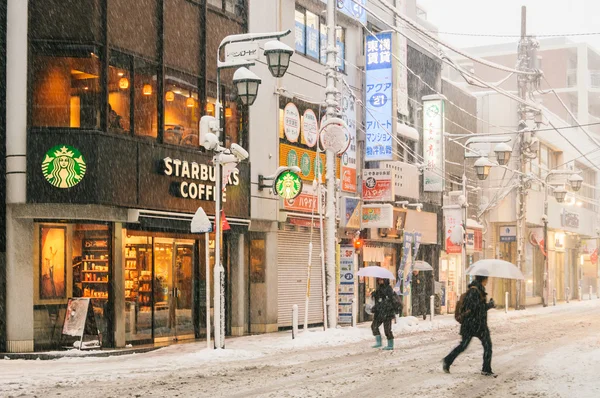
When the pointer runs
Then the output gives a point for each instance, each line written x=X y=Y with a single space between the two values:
x=379 y=97
x=312 y=42
x=352 y=8
x=299 y=30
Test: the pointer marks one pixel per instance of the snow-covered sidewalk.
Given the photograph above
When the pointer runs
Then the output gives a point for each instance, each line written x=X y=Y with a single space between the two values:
x=277 y=349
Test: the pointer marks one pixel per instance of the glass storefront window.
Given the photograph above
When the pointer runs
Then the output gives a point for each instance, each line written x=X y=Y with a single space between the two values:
x=182 y=110
x=145 y=99
x=138 y=288
x=73 y=260
x=66 y=88
x=119 y=94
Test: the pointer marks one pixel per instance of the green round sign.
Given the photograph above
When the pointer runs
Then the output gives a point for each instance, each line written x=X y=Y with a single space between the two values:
x=305 y=165
x=292 y=158
x=288 y=185
x=63 y=166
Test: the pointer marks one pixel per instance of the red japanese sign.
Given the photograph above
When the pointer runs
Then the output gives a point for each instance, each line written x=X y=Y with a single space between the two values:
x=377 y=185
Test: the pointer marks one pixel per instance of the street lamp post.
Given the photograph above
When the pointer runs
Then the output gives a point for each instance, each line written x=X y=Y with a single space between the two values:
x=278 y=57
x=482 y=166
x=575 y=181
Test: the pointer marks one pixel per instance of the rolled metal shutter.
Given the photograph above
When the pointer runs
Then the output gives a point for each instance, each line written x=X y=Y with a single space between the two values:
x=292 y=263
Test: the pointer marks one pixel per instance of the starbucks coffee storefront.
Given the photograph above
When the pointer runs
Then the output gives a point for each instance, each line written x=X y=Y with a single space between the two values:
x=108 y=218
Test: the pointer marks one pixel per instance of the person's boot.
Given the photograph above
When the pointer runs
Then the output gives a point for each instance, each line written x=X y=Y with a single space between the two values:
x=489 y=374
x=445 y=366
x=390 y=345
x=377 y=342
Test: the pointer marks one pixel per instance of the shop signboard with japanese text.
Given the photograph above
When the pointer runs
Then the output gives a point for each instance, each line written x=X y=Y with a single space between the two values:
x=452 y=220
x=378 y=185
x=346 y=284
x=306 y=202
x=306 y=159
x=348 y=161
x=378 y=100
x=378 y=216
x=433 y=145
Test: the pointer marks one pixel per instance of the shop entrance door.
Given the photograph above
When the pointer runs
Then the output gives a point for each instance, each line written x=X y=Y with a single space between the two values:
x=173 y=296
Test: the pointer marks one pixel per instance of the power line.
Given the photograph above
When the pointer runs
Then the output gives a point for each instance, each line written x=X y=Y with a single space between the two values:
x=515 y=36
x=444 y=44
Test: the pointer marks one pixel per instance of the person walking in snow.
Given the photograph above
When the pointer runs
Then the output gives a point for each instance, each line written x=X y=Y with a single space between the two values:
x=384 y=311
x=473 y=313
x=419 y=294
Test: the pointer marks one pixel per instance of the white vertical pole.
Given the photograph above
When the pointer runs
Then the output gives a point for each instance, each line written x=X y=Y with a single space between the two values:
x=554 y=296
x=355 y=292
x=506 y=302
x=310 y=249
x=207 y=283
x=568 y=291
x=590 y=292
x=330 y=213
x=431 y=306
x=16 y=106
x=323 y=273
x=294 y=320
x=579 y=294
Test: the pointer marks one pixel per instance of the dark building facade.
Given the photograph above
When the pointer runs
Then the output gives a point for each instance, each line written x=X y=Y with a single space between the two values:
x=113 y=172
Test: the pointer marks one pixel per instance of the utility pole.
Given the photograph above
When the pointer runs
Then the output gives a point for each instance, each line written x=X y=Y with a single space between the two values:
x=331 y=93
x=525 y=62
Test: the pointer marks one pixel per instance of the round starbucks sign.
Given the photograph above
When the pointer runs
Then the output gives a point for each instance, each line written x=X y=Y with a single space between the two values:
x=63 y=166
x=288 y=185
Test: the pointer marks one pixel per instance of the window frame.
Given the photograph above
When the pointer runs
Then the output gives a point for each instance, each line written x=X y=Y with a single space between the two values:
x=53 y=49
x=322 y=55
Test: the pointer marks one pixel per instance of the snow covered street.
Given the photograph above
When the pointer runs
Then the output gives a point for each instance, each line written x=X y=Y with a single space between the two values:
x=539 y=352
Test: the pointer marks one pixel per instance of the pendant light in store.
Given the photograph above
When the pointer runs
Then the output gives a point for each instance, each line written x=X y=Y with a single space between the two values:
x=228 y=112
x=147 y=89
x=123 y=83
x=170 y=96
x=210 y=108
x=190 y=103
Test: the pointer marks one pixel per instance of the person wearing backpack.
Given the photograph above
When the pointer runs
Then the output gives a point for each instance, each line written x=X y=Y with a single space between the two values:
x=384 y=311
x=471 y=313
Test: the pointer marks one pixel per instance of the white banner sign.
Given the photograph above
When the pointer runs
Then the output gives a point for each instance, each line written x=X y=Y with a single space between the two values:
x=377 y=216
x=433 y=145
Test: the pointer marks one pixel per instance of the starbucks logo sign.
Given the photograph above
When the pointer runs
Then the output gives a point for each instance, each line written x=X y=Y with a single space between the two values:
x=63 y=166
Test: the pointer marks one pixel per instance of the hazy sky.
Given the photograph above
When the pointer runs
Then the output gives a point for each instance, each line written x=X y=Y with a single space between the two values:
x=503 y=17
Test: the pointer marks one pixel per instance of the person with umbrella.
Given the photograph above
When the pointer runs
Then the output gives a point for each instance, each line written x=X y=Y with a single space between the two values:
x=384 y=311
x=473 y=313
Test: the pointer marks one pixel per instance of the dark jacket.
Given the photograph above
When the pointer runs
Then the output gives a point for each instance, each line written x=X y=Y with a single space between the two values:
x=476 y=308
x=385 y=302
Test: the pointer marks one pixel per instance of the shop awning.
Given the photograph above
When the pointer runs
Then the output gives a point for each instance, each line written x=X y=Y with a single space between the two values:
x=152 y=219
x=407 y=132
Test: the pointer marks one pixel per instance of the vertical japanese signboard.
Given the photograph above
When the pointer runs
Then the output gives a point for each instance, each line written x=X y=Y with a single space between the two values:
x=348 y=164
x=401 y=72
x=346 y=284
x=379 y=97
x=433 y=145
x=452 y=219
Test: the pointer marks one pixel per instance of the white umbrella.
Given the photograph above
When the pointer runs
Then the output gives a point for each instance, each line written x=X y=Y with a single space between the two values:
x=495 y=268
x=422 y=266
x=375 y=272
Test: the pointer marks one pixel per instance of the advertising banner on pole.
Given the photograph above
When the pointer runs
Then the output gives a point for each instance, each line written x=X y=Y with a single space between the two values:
x=346 y=284
x=378 y=97
x=452 y=219
x=433 y=145
x=348 y=161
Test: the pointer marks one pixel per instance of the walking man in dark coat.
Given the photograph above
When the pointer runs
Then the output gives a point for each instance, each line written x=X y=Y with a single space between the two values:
x=474 y=324
x=384 y=311
x=419 y=294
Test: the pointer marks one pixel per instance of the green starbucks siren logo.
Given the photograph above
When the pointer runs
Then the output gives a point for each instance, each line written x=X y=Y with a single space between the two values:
x=288 y=185
x=63 y=166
